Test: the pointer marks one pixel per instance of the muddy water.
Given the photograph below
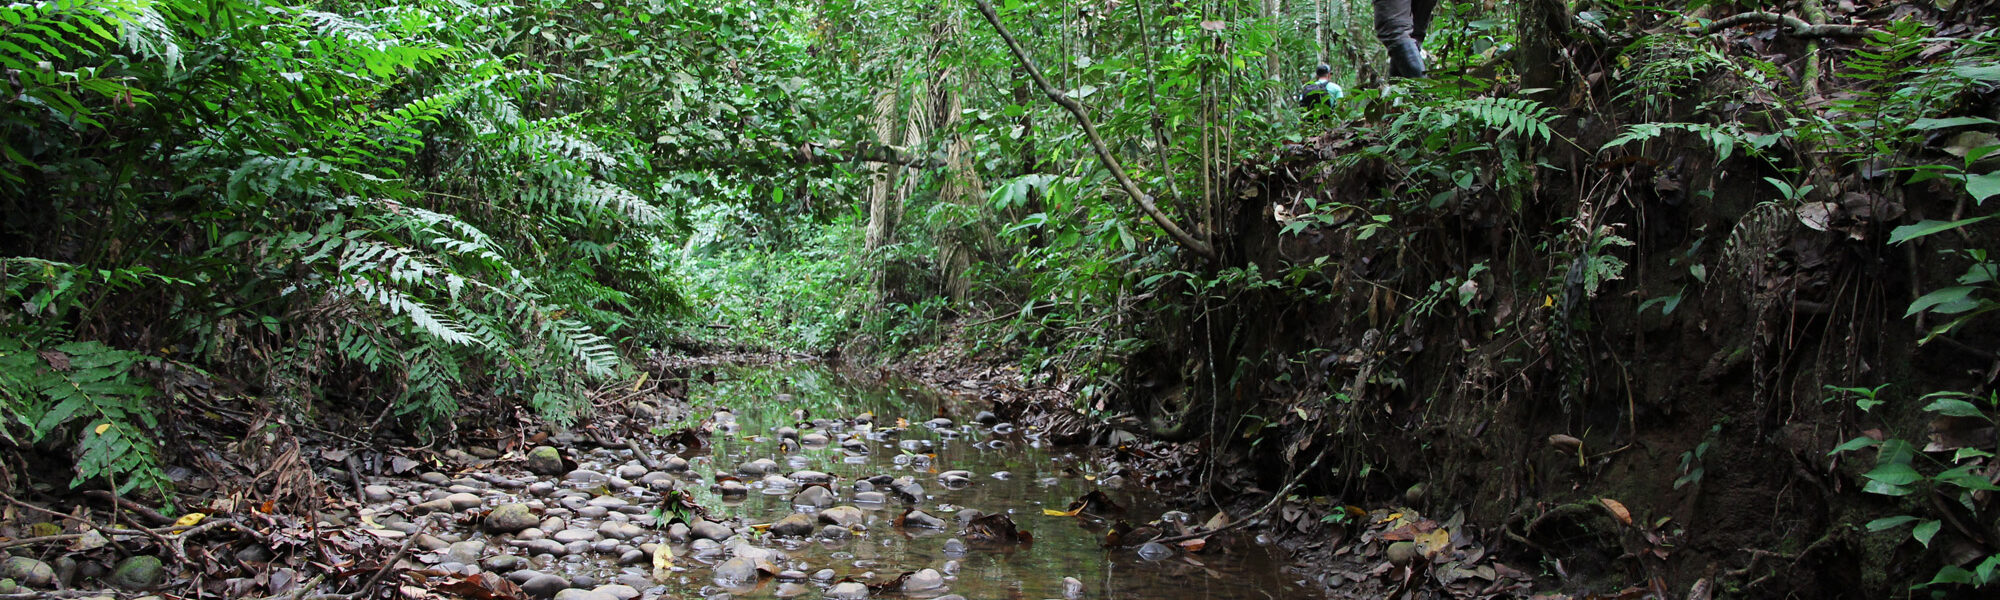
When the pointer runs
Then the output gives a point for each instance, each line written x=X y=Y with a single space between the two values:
x=1012 y=472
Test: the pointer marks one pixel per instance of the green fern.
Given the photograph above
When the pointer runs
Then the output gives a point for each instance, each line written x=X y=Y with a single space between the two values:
x=86 y=393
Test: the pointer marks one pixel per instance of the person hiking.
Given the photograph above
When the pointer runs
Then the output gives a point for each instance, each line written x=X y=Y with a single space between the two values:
x=1400 y=26
x=1319 y=95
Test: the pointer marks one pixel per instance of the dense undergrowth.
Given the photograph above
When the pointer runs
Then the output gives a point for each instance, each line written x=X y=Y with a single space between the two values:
x=1696 y=247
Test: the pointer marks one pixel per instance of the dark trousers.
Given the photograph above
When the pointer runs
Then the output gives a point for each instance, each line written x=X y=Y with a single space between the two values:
x=1397 y=20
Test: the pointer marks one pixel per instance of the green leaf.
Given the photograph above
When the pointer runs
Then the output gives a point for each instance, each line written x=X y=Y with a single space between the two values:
x=1928 y=227
x=1894 y=474
x=1925 y=531
x=1887 y=523
x=1854 y=444
x=1951 y=300
x=1955 y=407
x=1983 y=186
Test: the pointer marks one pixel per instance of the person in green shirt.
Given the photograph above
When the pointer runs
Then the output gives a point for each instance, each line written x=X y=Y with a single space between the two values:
x=1319 y=95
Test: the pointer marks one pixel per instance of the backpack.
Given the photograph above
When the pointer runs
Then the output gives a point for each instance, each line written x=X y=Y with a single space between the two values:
x=1313 y=95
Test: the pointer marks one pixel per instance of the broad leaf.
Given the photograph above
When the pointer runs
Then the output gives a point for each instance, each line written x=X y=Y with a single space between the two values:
x=1928 y=227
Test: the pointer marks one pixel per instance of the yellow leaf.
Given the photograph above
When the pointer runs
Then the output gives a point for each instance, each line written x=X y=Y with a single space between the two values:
x=1060 y=513
x=1391 y=517
x=189 y=520
x=641 y=382
x=902 y=422
x=1433 y=542
x=1617 y=510
x=663 y=558
x=1548 y=301
x=102 y=428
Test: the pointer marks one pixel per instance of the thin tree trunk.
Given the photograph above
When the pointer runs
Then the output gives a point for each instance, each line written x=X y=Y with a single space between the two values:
x=884 y=207
x=1111 y=162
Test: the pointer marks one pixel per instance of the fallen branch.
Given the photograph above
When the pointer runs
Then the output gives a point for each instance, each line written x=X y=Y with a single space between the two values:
x=1096 y=142
x=390 y=565
x=144 y=511
x=168 y=534
x=1793 y=26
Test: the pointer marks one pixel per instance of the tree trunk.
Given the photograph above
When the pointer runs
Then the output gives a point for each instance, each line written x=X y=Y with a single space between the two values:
x=885 y=208
x=1543 y=25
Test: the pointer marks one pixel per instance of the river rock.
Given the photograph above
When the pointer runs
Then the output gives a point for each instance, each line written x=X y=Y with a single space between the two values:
x=546 y=461
x=1072 y=588
x=463 y=501
x=466 y=552
x=137 y=573
x=587 y=476
x=543 y=585
x=438 y=505
x=791 y=590
x=950 y=567
x=502 y=563
x=938 y=423
x=793 y=525
x=511 y=518
x=674 y=464
x=1155 y=551
x=835 y=532
x=815 y=496
x=986 y=417
x=735 y=571
x=731 y=487
x=704 y=529
x=924 y=581
x=618 y=591
x=619 y=531
x=581 y=594
x=844 y=516
x=630 y=471
x=761 y=466
x=908 y=491
x=593 y=512
x=610 y=502
x=378 y=493
x=811 y=477
x=823 y=575
x=814 y=440
x=543 y=546
x=955 y=479
x=847 y=590
x=954 y=547
x=575 y=535
x=923 y=520
x=776 y=483
x=870 y=498
x=434 y=478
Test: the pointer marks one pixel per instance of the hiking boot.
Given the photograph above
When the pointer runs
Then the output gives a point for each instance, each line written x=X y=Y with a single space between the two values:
x=1406 y=59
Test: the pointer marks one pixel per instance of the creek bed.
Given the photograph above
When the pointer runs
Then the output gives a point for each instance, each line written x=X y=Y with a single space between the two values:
x=1011 y=472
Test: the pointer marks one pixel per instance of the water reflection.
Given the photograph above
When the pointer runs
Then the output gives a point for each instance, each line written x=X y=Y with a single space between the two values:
x=900 y=442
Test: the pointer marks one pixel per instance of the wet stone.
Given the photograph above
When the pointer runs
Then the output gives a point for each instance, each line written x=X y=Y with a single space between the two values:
x=619 y=531
x=922 y=520
x=813 y=440
x=1072 y=588
x=674 y=464
x=434 y=478
x=544 y=546
x=835 y=532
x=577 y=594
x=586 y=476
x=791 y=590
x=793 y=525
x=735 y=571
x=791 y=575
x=631 y=471
x=761 y=466
x=844 y=516
x=465 y=552
x=709 y=530
x=438 y=505
x=604 y=546
x=632 y=557
x=575 y=535
x=731 y=487
x=986 y=417
x=778 y=482
x=847 y=590
x=815 y=496
x=954 y=547
x=870 y=498
x=1155 y=551
x=705 y=548
x=510 y=518
x=924 y=581
x=544 y=585
x=658 y=480
x=950 y=567
x=593 y=512
x=823 y=575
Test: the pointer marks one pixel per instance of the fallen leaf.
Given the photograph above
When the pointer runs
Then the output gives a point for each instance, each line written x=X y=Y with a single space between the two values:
x=102 y=428
x=1062 y=513
x=190 y=519
x=1617 y=510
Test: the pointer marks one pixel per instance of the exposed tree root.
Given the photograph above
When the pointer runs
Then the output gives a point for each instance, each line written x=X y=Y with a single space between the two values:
x=1793 y=26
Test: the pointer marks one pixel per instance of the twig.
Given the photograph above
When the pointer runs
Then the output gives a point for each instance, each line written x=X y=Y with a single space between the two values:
x=422 y=528
x=1104 y=155
x=131 y=505
x=640 y=453
x=1276 y=499
x=1793 y=26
